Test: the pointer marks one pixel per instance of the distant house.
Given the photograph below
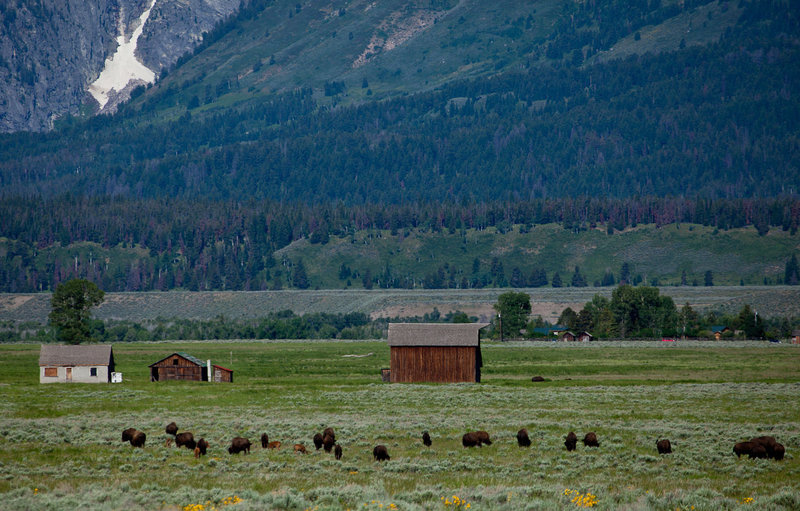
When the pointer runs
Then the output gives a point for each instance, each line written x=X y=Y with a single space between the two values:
x=567 y=336
x=435 y=352
x=718 y=330
x=796 y=337
x=585 y=337
x=182 y=366
x=80 y=363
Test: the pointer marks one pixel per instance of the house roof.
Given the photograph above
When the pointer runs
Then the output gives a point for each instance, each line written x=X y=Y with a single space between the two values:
x=557 y=328
x=181 y=354
x=718 y=328
x=78 y=355
x=435 y=334
x=223 y=368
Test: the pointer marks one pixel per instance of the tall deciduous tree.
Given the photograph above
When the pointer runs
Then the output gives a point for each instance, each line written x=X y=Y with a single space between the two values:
x=513 y=309
x=71 y=305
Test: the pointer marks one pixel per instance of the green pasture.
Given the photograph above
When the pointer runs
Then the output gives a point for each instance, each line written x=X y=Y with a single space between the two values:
x=60 y=444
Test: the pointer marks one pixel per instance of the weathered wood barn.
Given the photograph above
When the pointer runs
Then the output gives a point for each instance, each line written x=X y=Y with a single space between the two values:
x=182 y=366
x=222 y=375
x=81 y=363
x=435 y=352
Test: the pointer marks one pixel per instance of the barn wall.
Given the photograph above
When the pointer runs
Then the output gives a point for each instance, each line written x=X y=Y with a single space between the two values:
x=433 y=364
x=221 y=375
x=183 y=370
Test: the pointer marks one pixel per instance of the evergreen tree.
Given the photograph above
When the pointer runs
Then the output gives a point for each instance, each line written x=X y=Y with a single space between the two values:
x=578 y=280
x=792 y=273
x=557 y=280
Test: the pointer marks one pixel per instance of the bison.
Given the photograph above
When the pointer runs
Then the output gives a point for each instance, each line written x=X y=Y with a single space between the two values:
x=571 y=441
x=590 y=440
x=264 y=441
x=202 y=446
x=128 y=434
x=380 y=453
x=470 y=440
x=273 y=445
x=185 y=439
x=743 y=448
x=171 y=429
x=768 y=442
x=328 y=442
x=663 y=446
x=522 y=438
x=337 y=452
x=758 y=451
x=329 y=432
x=300 y=448
x=483 y=438
x=537 y=379
x=426 y=439
x=238 y=445
x=318 y=441
x=138 y=439
x=778 y=451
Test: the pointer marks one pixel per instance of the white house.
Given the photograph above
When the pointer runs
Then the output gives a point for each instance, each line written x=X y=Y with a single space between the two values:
x=83 y=364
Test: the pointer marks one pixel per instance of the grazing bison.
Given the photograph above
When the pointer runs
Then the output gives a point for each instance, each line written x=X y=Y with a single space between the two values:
x=426 y=439
x=758 y=451
x=522 y=438
x=264 y=441
x=202 y=446
x=238 y=445
x=663 y=446
x=590 y=440
x=329 y=432
x=185 y=439
x=470 y=440
x=743 y=448
x=337 y=452
x=571 y=441
x=778 y=451
x=273 y=445
x=138 y=439
x=380 y=453
x=171 y=429
x=328 y=442
x=537 y=379
x=318 y=441
x=128 y=434
x=300 y=448
x=483 y=438
x=768 y=442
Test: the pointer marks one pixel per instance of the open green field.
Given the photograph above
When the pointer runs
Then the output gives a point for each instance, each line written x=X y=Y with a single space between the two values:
x=60 y=444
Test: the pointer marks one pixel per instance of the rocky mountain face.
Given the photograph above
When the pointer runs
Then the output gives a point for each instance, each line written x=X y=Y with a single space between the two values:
x=51 y=51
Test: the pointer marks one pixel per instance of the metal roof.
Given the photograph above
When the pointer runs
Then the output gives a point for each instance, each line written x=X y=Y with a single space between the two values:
x=181 y=354
x=77 y=355
x=435 y=334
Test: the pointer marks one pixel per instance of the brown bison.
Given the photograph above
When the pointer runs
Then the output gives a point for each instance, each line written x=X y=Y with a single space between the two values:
x=238 y=445
x=128 y=434
x=522 y=438
x=329 y=432
x=138 y=439
x=202 y=446
x=337 y=452
x=318 y=441
x=470 y=440
x=537 y=379
x=571 y=441
x=274 y=445
x=778 y=451
x=328 y=442
x=185 y=439
x=758 y=451
x=380 y=453
x=663 y=446
x=300 y=448
x=171 y=429
x=483 y=438
x=426 y=439
x=264 y=441
x=743 y=448
x=768 y=442
x=590 y=440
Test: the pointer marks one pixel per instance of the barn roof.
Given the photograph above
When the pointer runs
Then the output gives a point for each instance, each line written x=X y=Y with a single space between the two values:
x=78 y=355
x=181 y=354
x=435 y=334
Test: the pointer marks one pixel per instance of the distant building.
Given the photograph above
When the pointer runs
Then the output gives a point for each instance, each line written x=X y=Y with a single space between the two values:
x=182 y=366
x=718 y=330
x=567 y=336
x=435 y=352
x=585 y=337
x=92 y=363
x=796 y=337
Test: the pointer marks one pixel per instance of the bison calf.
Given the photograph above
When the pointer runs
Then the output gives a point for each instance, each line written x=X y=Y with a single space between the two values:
x=522 y=438
x=426 y=439
x=663 y=446
x=238 y=445
x=273 y=445
x=571 y=441
x=380 y=453
x=300 y=448
x=337 y=452
x=185 y=439
x=590 y=440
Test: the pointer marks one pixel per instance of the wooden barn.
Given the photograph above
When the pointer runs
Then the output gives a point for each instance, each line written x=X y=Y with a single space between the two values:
x=435 y=352
x=221 y=374
x=80 y=363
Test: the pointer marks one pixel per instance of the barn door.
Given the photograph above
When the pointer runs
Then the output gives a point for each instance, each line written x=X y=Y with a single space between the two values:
x=69 y=374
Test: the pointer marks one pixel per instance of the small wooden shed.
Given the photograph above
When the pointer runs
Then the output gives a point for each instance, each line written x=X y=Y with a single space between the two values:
x=79 y=363
x=222 y=374
x=435 y=352
x=179 y=366
x=585 y=336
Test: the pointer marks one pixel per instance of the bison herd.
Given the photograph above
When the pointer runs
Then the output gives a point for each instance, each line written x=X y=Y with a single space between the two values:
x=758 y=447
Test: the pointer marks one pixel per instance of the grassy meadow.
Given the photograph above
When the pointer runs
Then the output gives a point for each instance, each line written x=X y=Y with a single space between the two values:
x=60 y=444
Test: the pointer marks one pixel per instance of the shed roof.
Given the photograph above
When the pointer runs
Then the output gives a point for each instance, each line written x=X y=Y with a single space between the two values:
x=435 y=334
x=78 y=355
x=188 y=357
x=223 y=368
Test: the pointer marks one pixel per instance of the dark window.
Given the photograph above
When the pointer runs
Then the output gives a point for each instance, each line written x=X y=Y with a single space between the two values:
x=174 y=361
x=93 y=371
